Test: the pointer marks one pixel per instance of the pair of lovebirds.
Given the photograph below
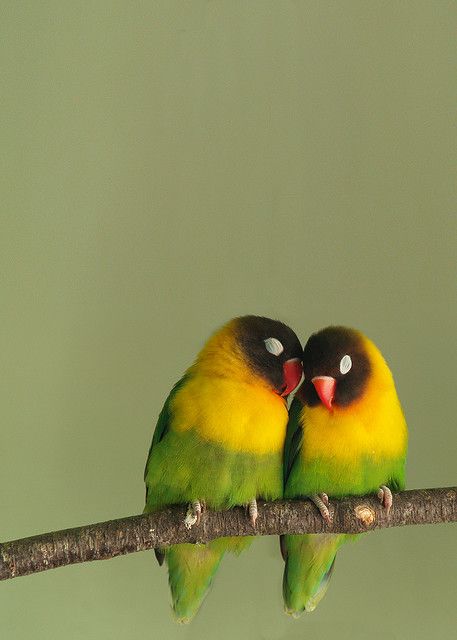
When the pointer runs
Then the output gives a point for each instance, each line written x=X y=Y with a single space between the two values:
x=225 y=437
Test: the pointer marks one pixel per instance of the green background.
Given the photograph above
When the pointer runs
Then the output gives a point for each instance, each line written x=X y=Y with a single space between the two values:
x=166 y=166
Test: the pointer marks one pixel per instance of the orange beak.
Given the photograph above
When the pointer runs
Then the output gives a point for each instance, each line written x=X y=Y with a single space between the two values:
x=325 y=388
x=292 y=375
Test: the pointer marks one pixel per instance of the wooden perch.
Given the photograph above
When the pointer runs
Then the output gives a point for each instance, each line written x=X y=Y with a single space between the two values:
x=137 y=533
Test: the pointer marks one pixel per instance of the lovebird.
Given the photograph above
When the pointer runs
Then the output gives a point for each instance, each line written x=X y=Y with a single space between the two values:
x=346 y=436
x=219 y=442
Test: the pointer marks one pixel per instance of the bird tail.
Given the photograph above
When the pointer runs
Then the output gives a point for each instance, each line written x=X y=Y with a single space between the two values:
x=310 y=560
x=190 y=572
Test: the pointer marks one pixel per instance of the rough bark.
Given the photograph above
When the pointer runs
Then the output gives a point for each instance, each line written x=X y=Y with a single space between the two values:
x=136 y=533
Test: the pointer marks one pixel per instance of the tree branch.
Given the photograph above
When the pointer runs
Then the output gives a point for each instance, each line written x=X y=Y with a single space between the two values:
x=136 y=533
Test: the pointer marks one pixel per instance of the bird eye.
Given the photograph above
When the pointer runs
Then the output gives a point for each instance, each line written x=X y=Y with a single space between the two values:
x=345 y=364
x=273 y=346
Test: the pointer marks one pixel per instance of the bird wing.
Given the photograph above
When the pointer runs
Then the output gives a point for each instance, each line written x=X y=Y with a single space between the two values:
x=163 y=423
x=162 y=426
x=294 y=437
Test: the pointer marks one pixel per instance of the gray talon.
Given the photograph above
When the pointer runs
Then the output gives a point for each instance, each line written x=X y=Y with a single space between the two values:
x=197 y=510
x=194 y=514
x=322 y=503
x=386 y=498
x=253 y=511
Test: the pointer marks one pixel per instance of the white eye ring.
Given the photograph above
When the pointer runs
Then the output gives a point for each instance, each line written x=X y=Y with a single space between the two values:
x=273 y=346
x=345 y=364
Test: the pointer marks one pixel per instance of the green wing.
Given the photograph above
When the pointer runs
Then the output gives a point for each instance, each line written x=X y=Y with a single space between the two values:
x=294 y=437
x=163 y=423
x=309 y=559
x=161 y=429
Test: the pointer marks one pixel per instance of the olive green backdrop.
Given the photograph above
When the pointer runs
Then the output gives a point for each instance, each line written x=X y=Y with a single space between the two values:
x=166 y=166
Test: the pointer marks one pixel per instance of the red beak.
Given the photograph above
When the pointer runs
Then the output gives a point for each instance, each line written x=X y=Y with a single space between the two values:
x=292 y=375
x=325 y=388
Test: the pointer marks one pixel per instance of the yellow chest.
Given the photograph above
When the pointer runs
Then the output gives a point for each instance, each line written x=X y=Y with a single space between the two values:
x=374 y=429
x=239 y=416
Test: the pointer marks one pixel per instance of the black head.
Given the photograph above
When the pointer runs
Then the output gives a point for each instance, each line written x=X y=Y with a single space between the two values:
x=272 y=350
x=338 y=354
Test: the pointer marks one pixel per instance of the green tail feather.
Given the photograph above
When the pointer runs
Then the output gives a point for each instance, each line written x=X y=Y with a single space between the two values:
x=190 y=572
x=309 y=566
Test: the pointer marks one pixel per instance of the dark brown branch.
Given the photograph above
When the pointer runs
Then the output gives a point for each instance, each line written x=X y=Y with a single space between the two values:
x=137 y=533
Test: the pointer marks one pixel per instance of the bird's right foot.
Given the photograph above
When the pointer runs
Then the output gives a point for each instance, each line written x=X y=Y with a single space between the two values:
x=253 y=512
x=321 y=502
x=194 y=513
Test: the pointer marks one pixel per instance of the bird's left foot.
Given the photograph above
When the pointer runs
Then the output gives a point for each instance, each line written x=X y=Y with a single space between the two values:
x=253 y=512
x=194 y=513
x=385 y=497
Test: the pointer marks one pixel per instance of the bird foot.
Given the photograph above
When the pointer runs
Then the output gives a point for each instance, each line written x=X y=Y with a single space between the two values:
x=385 y=497
x=253 y=512
x=322 y=503
x=194 y=513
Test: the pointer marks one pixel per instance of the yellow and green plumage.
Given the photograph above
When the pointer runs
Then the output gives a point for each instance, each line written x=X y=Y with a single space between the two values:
x=219 y=439
x=353 y=448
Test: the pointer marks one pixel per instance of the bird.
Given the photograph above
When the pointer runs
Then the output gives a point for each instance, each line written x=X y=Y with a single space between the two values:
x=219 y=442
x=347 y=436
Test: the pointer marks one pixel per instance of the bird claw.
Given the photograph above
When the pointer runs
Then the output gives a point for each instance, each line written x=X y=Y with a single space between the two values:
x=194 y=513
x=385 y=497
x=322 y=503
x=253 y=512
